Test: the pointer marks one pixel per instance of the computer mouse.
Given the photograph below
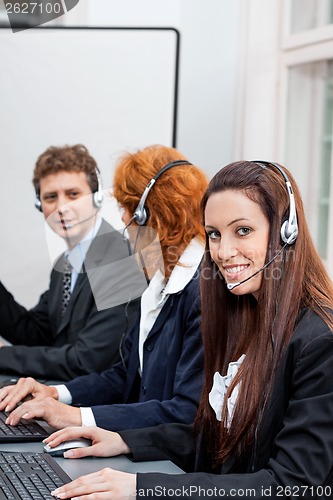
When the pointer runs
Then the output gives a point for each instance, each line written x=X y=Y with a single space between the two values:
x=58 y=451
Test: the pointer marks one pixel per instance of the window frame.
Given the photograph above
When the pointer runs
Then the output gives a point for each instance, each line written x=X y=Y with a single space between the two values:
x=306 y=47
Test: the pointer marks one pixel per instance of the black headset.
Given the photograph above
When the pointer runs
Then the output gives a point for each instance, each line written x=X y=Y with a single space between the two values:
x=141 y=213
x=97 y=195
x=289 y=228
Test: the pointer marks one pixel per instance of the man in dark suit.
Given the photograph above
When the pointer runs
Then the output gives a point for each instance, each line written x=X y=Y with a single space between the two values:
x=73 y=330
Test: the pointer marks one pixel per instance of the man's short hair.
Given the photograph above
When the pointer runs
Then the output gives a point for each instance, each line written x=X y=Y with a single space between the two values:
x=68 y=159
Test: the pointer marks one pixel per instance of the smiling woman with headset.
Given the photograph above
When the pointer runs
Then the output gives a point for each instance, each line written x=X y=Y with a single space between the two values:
x=160 y=377
x=264 y=424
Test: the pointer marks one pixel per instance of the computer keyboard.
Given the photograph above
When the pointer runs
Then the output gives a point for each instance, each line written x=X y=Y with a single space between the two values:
x=26 y=430
x=29 y=476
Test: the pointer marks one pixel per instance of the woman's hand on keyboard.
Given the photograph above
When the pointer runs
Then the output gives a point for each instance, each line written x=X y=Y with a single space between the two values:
x=106 y=484
x=25 y=388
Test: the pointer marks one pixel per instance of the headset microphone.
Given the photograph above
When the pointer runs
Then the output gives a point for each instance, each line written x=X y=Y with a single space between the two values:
x=231 y=286
x=70 y=226
x=126 y=240
x=128 y=225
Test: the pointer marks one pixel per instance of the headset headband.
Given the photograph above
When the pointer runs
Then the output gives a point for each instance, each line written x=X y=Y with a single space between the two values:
x=141 y=214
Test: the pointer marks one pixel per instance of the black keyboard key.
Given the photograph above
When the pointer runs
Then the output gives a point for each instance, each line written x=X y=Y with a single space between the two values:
x=26 y=430
x=28 y=476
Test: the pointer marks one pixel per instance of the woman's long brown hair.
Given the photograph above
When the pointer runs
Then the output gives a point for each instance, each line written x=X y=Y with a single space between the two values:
x=233 y=325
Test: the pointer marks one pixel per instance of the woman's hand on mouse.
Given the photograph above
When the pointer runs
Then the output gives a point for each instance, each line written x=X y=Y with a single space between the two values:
x=103 y=443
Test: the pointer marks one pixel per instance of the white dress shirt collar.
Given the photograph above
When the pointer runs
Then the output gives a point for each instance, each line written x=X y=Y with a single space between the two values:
x=77 y=254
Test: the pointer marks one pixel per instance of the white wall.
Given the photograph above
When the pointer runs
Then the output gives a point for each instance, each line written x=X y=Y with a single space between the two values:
x=206 y=115
x=257 y=113
x=208 y=70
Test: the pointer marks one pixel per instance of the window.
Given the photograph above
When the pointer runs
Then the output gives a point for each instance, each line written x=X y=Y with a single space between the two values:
x=307 y=100
x=309 y=141
x=286 y=101
x=309 y=14
x=325 y=165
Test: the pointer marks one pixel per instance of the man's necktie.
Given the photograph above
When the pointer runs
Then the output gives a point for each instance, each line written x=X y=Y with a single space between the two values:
x=66 y=286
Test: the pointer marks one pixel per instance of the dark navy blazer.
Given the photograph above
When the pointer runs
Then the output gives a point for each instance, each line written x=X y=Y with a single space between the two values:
x=171 y=383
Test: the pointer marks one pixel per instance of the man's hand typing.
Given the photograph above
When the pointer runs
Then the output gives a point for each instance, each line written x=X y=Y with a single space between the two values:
x=25 y=388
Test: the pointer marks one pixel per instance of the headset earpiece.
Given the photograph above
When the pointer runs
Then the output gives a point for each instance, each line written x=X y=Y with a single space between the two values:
x=141 y=213
x=288 y=239
x=289 y=228
x=98 y=200
x=38 y=203
x=98 y=196
x=141 y=216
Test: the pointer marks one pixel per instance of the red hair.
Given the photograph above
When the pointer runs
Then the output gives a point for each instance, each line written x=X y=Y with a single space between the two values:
x=173 y=202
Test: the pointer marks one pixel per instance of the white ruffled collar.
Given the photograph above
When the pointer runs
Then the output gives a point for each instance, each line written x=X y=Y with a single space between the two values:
x=219 y=390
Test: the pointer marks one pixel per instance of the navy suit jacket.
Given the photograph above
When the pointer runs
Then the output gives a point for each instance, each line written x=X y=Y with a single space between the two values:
x=171 y=382
x=84 y=340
